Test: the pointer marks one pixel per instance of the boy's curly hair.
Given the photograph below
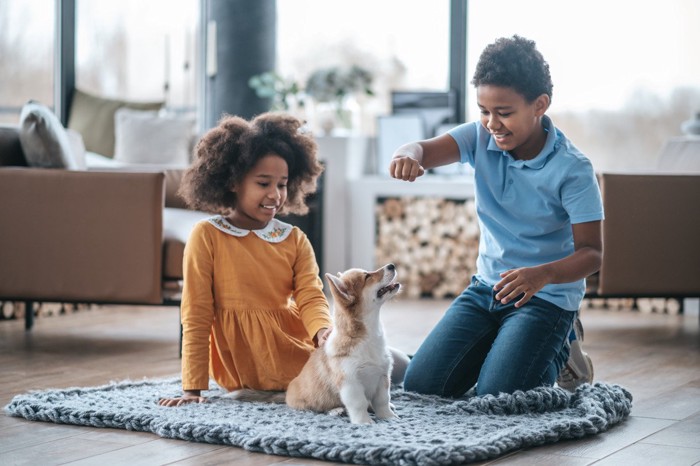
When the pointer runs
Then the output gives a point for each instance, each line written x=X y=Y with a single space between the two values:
x=227 y=152
x=516 y=63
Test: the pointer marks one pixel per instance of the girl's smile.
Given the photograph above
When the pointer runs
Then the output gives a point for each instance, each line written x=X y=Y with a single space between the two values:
x=261 y=194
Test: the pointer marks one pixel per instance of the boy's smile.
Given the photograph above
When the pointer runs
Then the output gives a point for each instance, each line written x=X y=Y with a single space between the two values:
x=514 y=123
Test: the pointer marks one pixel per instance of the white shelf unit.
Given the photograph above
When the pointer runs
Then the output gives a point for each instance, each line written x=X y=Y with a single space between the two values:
x=364 y=193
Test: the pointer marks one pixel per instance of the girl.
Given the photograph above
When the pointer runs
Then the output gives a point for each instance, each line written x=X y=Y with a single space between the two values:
x=540 y=212
x=253 y=308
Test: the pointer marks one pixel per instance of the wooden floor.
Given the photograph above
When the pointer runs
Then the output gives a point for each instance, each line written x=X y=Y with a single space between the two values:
x=656 y=357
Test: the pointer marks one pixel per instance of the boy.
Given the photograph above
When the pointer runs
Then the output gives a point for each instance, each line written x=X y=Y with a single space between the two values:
x=540 y=213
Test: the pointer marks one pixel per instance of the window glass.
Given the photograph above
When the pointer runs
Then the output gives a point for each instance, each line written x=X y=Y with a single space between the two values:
x=404 y=44
x=131 y=49
x=626 y=73
x=26 y=54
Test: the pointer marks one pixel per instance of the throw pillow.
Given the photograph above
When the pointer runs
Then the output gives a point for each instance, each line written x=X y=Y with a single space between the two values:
x=78 y=148
x=152 y=139
x=44 y=140
x=93 y=118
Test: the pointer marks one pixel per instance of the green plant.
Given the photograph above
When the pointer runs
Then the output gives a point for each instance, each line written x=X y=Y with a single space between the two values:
x=335 y=83
x=270 y=85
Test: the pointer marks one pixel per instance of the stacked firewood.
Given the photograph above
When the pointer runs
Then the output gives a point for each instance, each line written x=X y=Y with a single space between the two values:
x=645 y=305
x=432 y=241
x=16 y=309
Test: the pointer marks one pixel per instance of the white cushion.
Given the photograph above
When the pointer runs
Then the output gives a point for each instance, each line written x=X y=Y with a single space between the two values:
x=95 y=160
x=78 y=147
x=147 y=138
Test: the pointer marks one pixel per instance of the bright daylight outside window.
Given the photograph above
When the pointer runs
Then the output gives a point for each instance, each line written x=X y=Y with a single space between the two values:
x=130 y=49
x=26 y=54
x=397 y=44
x=626 y=74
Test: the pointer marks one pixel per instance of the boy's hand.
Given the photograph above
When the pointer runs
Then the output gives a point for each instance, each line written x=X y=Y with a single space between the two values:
x=525 y=281
x=405 y=168
x=187 y=397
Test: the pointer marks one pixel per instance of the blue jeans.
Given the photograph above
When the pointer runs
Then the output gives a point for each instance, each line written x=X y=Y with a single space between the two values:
x=496 y=346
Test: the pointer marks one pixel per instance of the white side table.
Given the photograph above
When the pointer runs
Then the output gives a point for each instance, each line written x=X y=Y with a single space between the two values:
x=680 y=155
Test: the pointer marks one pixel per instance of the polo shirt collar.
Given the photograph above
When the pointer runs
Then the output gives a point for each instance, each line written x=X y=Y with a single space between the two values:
x=274 y=232
x=541 y=159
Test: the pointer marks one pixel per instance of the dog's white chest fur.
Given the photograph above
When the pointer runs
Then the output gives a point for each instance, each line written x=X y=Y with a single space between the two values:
x=369 y=361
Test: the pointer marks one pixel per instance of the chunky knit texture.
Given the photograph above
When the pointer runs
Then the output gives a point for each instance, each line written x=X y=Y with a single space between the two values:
x=429 y=431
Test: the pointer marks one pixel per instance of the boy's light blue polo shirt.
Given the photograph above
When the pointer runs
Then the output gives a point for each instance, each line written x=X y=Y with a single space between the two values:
x=526 y=207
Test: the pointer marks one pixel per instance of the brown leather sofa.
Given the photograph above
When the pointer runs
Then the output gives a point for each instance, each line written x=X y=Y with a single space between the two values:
x=110 y=237
x=651 y=236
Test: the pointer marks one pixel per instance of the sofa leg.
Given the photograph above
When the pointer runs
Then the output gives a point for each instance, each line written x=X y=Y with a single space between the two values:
x=179 y=317
x=28 y=315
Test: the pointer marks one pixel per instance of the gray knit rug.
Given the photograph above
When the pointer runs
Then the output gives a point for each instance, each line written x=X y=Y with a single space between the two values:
x=430 y=430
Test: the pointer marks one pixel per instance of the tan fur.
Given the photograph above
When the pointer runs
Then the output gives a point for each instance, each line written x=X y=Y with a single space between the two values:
x=352 y=369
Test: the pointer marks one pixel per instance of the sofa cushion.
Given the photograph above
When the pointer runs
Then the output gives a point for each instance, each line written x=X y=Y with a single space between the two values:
x=177 y=226
x=145 y=137
x=93 y=118
x=45 y=142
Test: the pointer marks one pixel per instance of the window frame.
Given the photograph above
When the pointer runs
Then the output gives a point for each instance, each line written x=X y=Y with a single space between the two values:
x=64 y=79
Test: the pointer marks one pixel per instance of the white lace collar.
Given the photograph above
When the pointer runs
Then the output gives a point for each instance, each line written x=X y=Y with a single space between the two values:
x=274 y=232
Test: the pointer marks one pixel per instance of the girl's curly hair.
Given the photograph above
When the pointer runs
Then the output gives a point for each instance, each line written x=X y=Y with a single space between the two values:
x=227 y=152
x=515 y=63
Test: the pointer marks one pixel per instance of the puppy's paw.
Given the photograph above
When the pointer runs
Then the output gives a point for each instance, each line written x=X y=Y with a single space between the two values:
x=362 y=420
x=337 y=412
x=387 y=412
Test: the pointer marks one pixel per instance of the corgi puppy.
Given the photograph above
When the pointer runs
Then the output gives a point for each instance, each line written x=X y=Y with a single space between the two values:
x=352 y=369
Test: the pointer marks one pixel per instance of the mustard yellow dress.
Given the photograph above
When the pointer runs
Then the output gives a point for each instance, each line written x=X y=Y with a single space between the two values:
x=252 y=302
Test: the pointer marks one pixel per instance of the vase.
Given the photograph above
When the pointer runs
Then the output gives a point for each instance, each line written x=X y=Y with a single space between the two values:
x=337 y=118
x=691 y=127
x=323 y=118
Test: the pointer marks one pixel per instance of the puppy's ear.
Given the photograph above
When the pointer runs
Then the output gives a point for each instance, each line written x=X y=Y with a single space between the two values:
x=338 y=288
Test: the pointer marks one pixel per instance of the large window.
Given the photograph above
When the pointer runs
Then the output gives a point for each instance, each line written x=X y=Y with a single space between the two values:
x=26 y=55
x=626 y=73
x=138 y=50
x=404 y=44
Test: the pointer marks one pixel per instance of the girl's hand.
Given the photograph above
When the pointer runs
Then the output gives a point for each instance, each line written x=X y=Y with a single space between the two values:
x=525 y=281
x=187 y=397
x=405 y=168
x=322 y=336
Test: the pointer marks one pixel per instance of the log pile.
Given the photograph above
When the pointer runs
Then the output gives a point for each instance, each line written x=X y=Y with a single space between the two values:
x=670 y=306
x=10 y=310
x=432 y=241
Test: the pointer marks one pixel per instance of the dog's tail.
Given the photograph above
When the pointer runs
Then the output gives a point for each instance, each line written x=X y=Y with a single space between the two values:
x=247 y=394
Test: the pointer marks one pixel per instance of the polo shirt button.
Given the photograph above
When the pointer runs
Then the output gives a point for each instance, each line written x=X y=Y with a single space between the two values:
x=510 y=181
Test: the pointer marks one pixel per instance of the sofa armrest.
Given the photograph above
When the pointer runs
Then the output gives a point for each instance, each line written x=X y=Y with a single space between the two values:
x=651 y=235
x=173 y=177
x=81 y=236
